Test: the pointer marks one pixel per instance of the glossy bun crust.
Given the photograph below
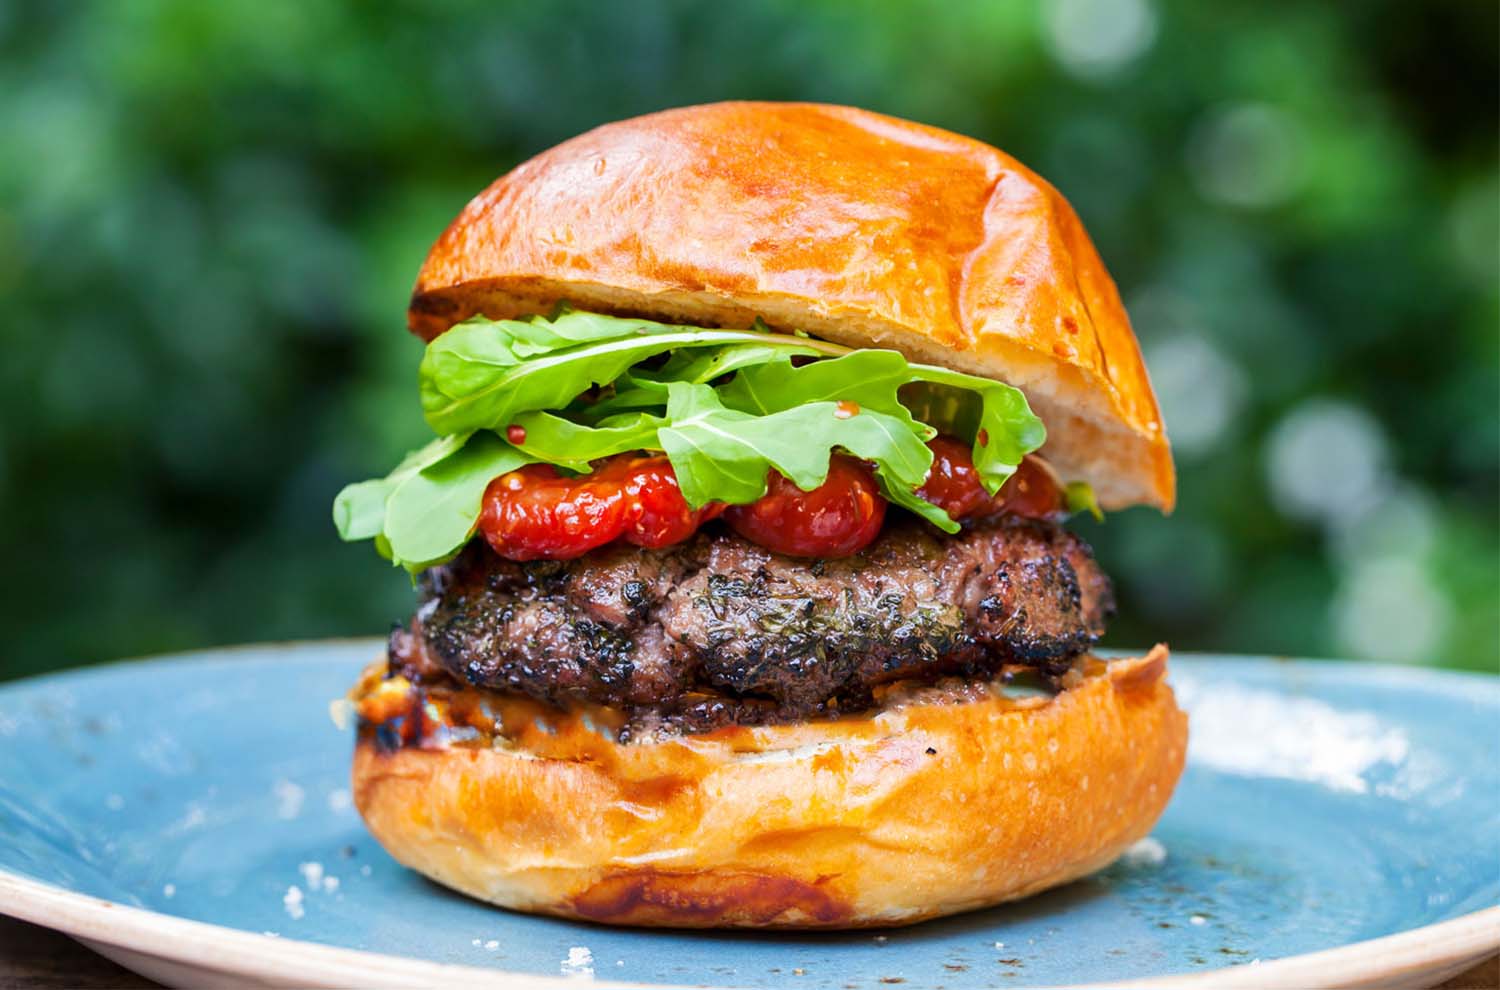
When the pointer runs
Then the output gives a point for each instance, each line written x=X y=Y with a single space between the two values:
x=856 y=227
x=920 y=810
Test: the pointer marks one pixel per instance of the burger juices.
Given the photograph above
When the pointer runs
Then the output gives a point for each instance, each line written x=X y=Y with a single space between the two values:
x=719 y=541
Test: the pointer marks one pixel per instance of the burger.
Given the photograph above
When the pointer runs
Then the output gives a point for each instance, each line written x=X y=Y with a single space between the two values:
x=744 y=595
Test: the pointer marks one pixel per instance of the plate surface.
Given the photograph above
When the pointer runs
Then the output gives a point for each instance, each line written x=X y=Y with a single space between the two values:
x=1323 y=804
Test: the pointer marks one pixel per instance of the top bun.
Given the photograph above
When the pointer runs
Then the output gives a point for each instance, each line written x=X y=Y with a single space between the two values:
x=859 y=228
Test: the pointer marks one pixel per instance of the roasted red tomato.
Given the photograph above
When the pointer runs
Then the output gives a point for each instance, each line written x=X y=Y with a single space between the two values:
x=1033 y=491
x=953 y=482
x=656 y=514
x=840 y=517
x=531 y=514
x=953 y=485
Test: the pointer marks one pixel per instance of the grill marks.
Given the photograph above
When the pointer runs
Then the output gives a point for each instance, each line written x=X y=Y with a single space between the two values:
x=718 y=630
x=553 y=630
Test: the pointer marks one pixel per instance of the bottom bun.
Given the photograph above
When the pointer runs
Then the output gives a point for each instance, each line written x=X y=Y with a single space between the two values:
x=918 y=810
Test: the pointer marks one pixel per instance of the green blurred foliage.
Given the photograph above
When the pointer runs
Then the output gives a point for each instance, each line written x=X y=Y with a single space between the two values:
x=211 y=214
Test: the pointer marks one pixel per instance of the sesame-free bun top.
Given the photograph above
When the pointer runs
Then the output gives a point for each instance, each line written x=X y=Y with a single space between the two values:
x=853 y=226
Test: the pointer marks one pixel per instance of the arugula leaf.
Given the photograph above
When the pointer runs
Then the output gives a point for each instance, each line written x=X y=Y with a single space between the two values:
x=721 y=454
x=432 y=513
x=632 y=391
x=1080 y=498
x=722 y=437
x=899 y=493
x=700 y=368
x=1004 y=428
x=467 y=385
x=949 y=409
x=473 y=354
x=534 y=337
x=870 y=379
x=554 y=440
x=359 y=510
x=1008 y=429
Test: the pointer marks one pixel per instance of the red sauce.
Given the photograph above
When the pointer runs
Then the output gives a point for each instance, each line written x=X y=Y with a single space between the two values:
x=533 y=513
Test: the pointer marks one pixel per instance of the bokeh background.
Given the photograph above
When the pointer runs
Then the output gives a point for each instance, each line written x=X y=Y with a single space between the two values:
x=211 y=214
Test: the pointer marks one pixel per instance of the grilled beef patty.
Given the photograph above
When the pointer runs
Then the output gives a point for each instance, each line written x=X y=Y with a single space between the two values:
x=719 y=630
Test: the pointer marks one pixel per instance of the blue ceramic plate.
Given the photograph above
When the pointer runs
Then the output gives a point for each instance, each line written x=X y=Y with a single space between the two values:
x=1324 y=804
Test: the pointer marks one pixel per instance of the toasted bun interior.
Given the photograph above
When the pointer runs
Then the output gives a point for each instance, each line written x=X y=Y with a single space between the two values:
x=856 y=227
x=916 y=811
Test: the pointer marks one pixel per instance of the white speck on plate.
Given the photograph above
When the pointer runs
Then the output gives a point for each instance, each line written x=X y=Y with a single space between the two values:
x=312 y=874
x=341 y=710
x=492 y=944
x=474 y=942
x=193 y=817
x=1197 y=919
x=330 y=885
x=164 y=753
x=169 y=890
x=999 y=945
x=292 y=901
x=289 y=798
x=339 y=800
x=1147 y=852
x=579 y=964
x=114 y=802
x=270 y=934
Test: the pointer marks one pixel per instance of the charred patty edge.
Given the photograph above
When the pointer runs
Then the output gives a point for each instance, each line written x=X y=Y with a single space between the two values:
x=719 y=630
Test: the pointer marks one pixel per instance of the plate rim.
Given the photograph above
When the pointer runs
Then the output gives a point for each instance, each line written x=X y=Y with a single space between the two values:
x=294 y=962
x=279 y=960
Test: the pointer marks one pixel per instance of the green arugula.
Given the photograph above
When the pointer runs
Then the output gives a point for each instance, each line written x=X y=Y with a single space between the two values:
x=428 y=507
x=726 y=406
x=1080 y=498
x=869 y=379
x=723 y=455
x=359 y=510
x=472 y=379
x=553 y=439
x=1008 y=429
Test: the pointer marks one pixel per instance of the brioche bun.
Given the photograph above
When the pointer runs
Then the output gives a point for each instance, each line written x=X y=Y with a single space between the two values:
x=871 y=232
x=917 y=810
x=856 y=227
